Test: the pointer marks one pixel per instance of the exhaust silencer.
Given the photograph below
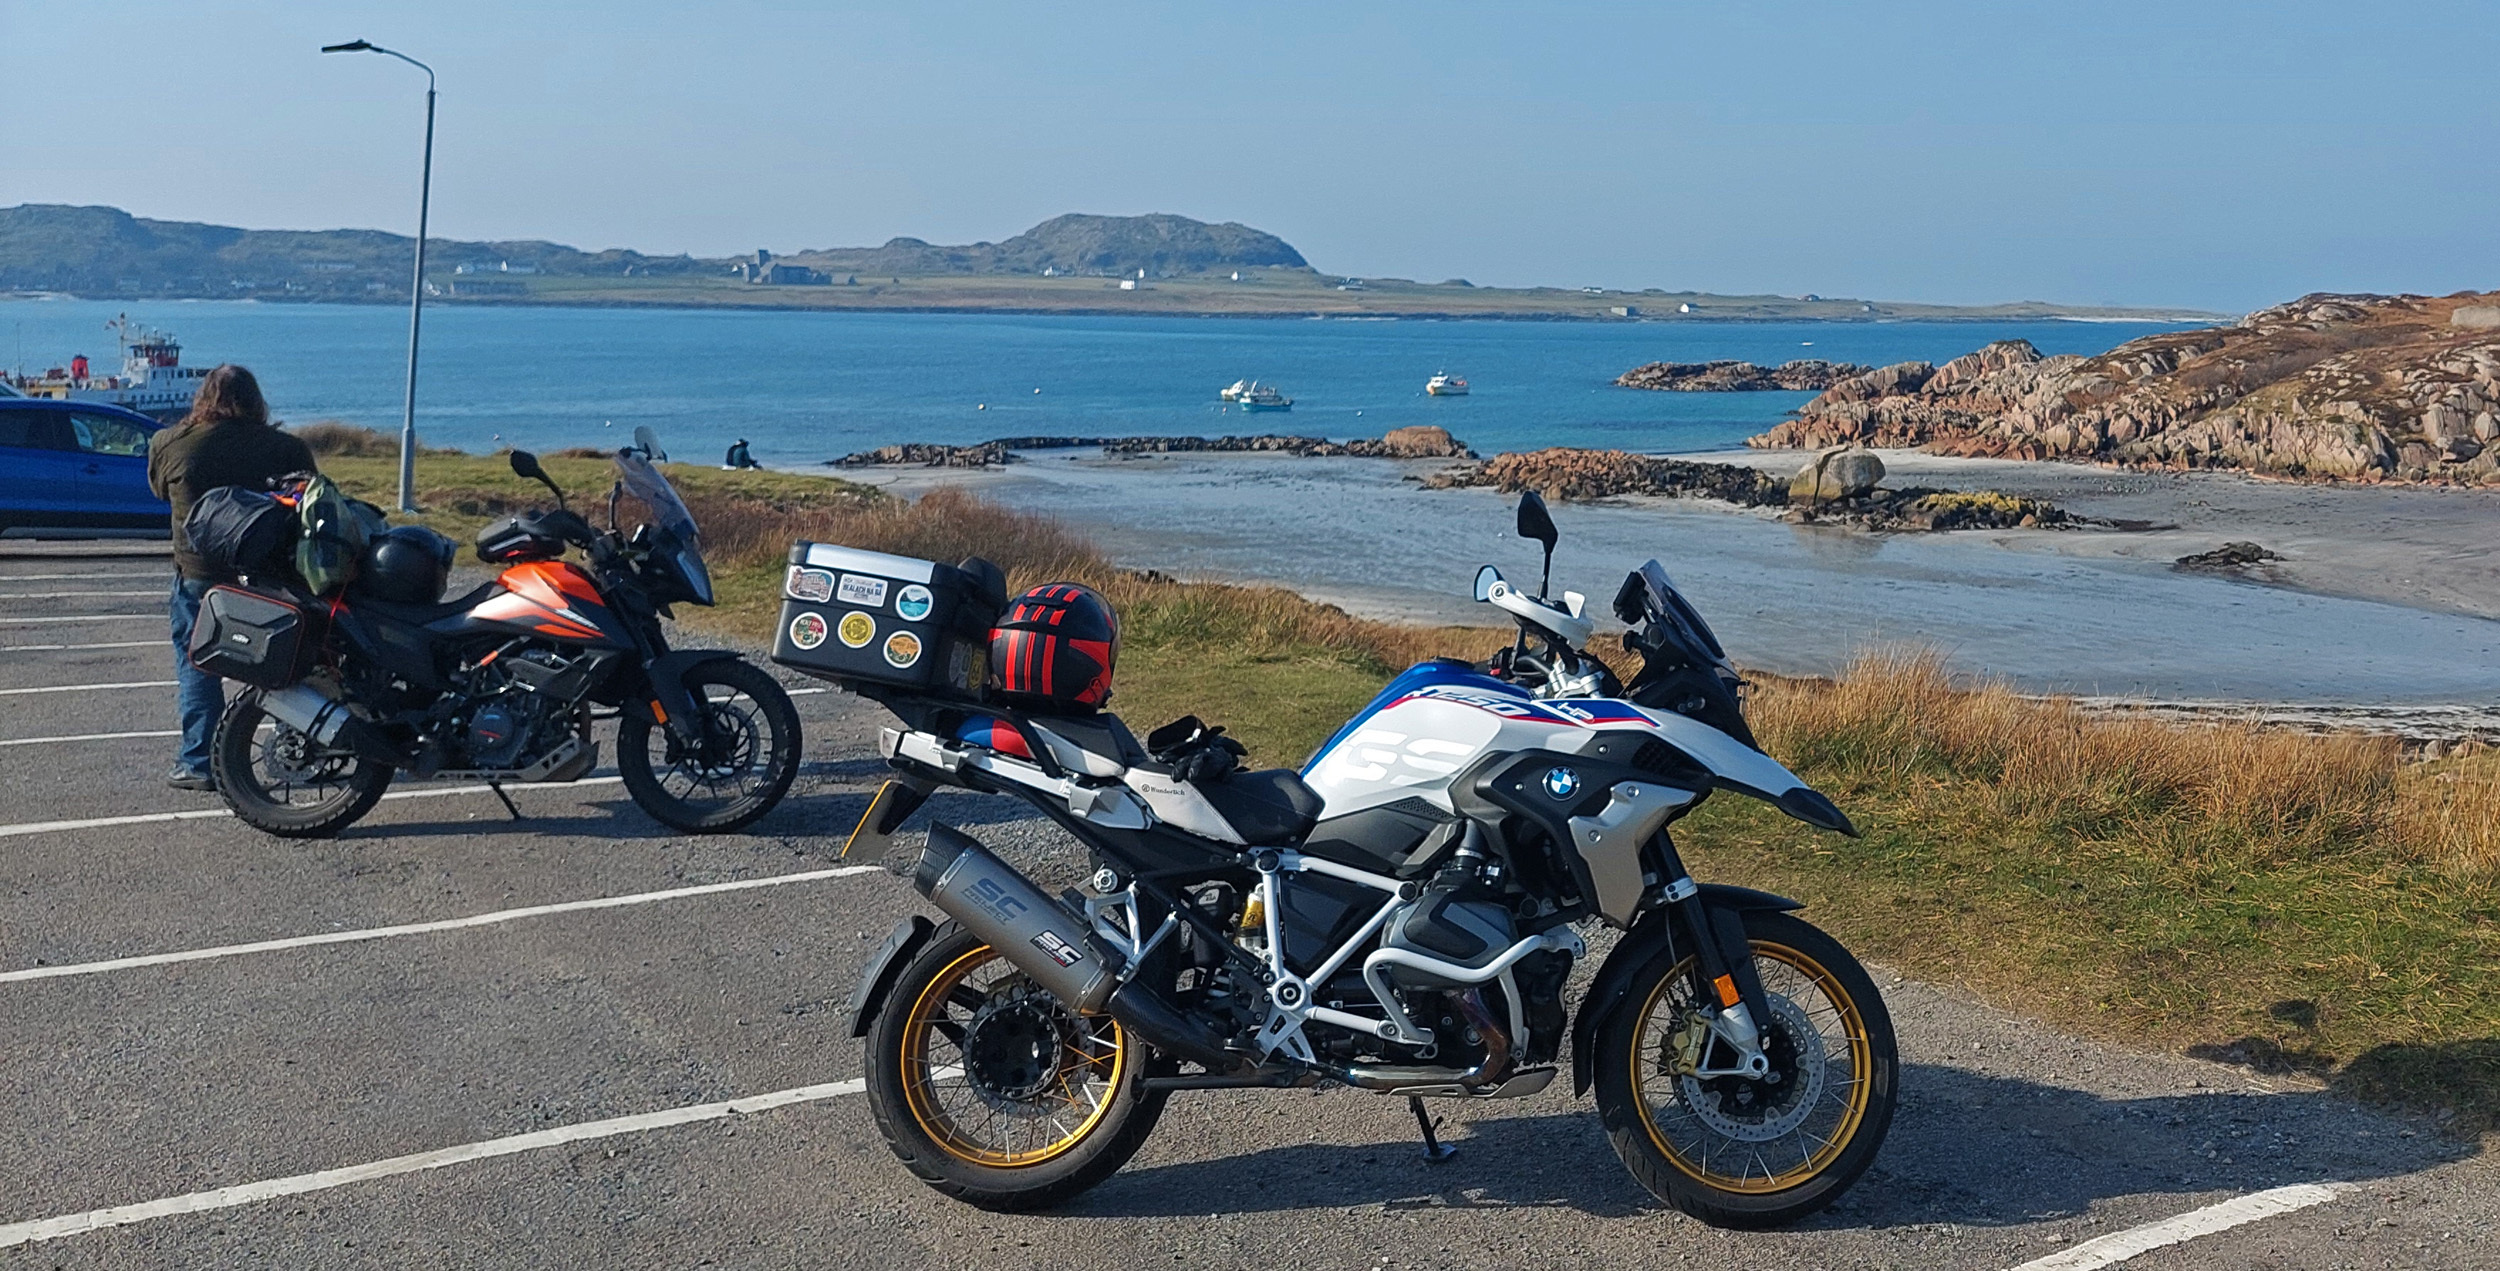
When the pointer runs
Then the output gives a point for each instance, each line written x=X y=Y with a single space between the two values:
x=328 y=722
x=1012 y=915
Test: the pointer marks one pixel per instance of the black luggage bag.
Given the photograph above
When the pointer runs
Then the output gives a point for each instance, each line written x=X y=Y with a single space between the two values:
x=262 y=637
x=238 y=531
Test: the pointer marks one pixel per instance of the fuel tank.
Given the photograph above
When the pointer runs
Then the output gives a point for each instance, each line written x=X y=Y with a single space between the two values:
x=551 y=598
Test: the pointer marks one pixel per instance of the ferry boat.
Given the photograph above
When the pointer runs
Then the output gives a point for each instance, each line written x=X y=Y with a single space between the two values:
x=1261 y=397
x=153 y=380
x=1446 y=385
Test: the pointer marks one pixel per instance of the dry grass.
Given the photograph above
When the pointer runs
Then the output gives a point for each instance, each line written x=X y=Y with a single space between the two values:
x=330 y=439
x=2450 y=814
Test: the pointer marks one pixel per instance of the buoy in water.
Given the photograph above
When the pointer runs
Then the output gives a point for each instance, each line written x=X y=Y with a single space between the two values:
x=982 y=406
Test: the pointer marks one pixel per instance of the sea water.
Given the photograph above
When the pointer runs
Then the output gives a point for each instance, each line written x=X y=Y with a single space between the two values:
x=804 y=387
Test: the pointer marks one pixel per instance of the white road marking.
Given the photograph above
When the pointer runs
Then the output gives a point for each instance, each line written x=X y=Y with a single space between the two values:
x=46 y=741
x=57 y=578
x=84 y=617
x=425 y=928
x=57 y=648
x=85 y=688
x=43 y=1229
x=76 y=595
x=2118 y=1246
x=206 y=814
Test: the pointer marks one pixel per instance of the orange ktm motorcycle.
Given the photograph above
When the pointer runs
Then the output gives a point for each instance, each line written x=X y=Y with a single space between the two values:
x=497 y=685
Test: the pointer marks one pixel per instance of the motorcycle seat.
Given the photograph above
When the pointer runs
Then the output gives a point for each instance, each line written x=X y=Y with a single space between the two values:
x=1266 y=807
x=419 y=615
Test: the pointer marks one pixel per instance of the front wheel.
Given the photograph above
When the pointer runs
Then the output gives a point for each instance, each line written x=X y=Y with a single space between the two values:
x=993 y=1091
x=1738 y=1152
x=738 y=772
x=277 y=780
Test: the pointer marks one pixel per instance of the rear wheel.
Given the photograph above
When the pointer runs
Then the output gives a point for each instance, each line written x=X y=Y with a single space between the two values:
x=745 y=763
x=996 y=1093
x=1739 y=1152
x=275 y=779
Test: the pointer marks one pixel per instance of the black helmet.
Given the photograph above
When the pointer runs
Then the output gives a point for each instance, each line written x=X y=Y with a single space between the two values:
x=1054 y=649
x=408 y=565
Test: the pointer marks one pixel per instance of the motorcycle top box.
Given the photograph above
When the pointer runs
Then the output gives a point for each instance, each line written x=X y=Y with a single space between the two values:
x=862 y=617
x=256 y=636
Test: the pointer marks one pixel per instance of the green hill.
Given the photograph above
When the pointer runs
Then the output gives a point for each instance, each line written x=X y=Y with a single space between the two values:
x=1163 y=245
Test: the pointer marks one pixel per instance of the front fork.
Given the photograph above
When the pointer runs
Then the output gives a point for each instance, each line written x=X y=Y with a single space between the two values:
x=1723 y=957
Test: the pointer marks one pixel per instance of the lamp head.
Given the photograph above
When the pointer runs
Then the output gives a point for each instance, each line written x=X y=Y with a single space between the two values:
x=352 y=46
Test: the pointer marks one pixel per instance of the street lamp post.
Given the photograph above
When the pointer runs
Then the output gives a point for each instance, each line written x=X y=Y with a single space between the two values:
x=416 y=286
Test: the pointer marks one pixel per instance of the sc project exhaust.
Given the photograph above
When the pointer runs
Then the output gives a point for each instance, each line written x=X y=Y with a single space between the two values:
x=1053 y=946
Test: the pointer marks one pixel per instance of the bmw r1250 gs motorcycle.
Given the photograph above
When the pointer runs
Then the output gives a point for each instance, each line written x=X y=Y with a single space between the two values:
x=497 y=685
x=1401 y=917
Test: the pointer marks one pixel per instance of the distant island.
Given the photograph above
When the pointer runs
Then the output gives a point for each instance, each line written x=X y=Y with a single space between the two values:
x=1154 y=264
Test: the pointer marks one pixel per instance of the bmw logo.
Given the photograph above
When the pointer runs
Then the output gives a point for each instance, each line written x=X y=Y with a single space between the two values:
x=1562 y=783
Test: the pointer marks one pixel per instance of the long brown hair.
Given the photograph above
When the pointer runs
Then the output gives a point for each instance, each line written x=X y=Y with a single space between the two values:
x=229 y=393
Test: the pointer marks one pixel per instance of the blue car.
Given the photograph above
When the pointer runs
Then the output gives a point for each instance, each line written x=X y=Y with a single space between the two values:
x=76 y=465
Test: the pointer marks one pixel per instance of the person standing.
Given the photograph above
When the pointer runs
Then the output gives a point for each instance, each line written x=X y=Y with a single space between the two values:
x=227 y=439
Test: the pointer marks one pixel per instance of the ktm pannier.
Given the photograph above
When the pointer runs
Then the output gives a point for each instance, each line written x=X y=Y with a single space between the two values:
x=858 y=616
x=263 y=638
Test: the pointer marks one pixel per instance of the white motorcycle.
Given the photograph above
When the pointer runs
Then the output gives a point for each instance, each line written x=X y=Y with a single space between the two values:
x=1401 y=916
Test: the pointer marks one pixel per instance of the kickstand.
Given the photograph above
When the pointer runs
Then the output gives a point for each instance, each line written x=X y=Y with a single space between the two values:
x=1434 y=1148
x=507 y=800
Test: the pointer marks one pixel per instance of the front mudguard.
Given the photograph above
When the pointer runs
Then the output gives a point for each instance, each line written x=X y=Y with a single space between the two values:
x=1652 y=937
x=666 y=701
x=900 y=947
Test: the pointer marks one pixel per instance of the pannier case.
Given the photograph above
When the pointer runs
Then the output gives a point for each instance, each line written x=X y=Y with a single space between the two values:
x=860 y=616
x=266 y=639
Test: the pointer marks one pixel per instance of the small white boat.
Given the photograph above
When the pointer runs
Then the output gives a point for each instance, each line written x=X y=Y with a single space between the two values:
x=1262 y=397
x=1235 y=392
x=1446 y=385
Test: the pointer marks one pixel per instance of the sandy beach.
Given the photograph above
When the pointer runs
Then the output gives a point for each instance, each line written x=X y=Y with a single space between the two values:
x=2389 y=597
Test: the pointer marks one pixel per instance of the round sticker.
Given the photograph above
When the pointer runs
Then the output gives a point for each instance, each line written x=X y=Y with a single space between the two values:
x=902 y=649
x=807 y=630
x=913 y=602
x=857 y=629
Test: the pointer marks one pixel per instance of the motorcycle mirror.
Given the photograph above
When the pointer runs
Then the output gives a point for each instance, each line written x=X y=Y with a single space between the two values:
x=1485 y=578
x=525 y=465
x=1537 y=523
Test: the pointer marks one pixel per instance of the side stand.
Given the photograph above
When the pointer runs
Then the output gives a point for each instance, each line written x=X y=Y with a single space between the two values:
x=497 y=787
x=1434 y=1148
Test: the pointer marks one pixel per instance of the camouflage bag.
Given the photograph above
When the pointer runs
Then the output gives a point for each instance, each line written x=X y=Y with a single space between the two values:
x=336 y=530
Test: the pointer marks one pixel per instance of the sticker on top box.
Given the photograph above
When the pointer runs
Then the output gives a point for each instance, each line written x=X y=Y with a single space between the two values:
x=807 y=630
x=902 y=649
x=858 y=629
x=814 y=586
x=858 y=589
x=913 y=602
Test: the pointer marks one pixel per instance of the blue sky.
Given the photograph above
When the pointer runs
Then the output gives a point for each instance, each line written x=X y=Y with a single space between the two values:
x=2224 y=155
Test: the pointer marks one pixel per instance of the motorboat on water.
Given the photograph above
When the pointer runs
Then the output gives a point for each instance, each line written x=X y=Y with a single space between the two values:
x=1445 y=385
x=1263 y=397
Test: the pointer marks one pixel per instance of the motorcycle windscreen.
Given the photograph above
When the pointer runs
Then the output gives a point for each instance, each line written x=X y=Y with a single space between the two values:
x=1669 y=605
x=670 y=516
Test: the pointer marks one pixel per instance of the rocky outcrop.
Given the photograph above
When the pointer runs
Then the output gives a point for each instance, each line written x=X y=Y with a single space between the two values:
x=1565 y=473
x=1811 y=375
x=1568 y=474
x=2329 y=387
x=1423 y=441
x=2229 y=556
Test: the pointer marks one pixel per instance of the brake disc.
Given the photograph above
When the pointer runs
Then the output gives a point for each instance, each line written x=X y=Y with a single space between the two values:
x=1757 y=1111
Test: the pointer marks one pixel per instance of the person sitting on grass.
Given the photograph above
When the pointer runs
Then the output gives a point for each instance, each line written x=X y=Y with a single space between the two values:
x=738 y=457
x=227 y=439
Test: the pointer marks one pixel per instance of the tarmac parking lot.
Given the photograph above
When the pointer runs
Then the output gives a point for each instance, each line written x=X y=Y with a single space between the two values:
x=451 y=1039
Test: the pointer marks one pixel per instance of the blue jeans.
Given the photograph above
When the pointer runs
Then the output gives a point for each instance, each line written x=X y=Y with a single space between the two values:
x=202 y=696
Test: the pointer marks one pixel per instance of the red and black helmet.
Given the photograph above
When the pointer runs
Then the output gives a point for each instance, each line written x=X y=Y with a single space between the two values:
x=1053 y=650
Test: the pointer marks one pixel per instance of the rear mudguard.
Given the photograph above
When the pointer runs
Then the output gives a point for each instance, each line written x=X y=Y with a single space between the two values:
x=900 y=947
x=1652 y=937
x=668 y=703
